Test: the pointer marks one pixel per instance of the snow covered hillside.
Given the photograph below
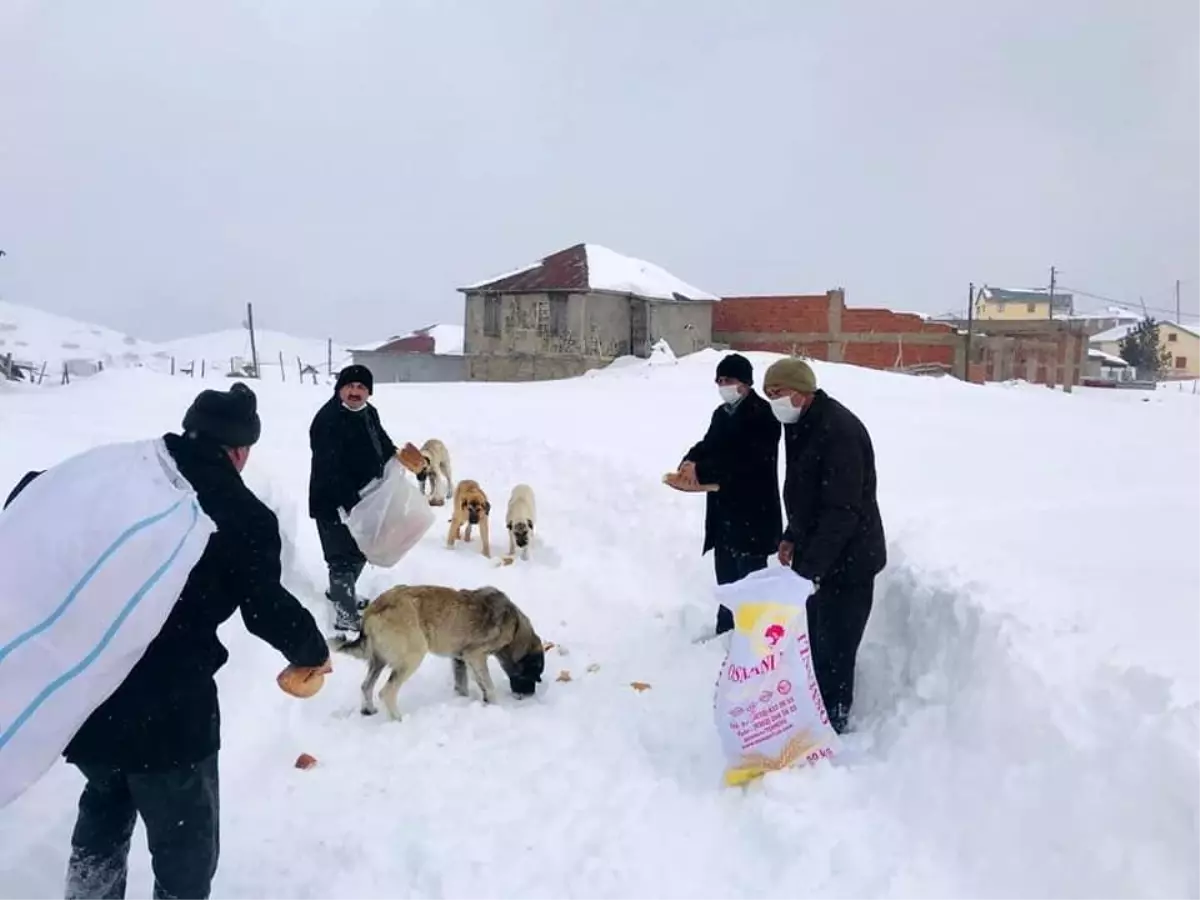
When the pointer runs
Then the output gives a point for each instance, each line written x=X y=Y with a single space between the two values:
x=35 y=337
x=1027 y=705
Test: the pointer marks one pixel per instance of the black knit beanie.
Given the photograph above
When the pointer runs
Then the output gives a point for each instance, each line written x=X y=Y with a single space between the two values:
x=737 y=367
x=351 y=374
x=230 y=418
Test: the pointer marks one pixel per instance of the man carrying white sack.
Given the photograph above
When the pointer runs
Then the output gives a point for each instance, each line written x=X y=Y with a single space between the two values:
x=151 y=748
x=834 y=535
x=349 y=450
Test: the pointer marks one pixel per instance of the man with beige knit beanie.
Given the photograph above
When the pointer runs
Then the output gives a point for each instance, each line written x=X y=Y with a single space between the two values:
x=834 y=534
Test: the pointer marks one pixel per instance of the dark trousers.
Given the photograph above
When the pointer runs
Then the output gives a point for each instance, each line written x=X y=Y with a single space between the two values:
x=837 y=618
x=345 y=562
x=180 y=809
x=731 y=566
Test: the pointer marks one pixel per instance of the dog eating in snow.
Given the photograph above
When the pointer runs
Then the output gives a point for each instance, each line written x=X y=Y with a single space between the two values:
x=435 y=472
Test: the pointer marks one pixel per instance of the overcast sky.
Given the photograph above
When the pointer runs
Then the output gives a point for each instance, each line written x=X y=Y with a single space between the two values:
x=346 y=165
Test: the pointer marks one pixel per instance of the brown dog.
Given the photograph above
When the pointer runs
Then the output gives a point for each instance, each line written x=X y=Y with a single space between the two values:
x=405 y=623
x=471 y=508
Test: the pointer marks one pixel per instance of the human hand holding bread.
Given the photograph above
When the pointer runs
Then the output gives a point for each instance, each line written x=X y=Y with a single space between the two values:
x=303 y=681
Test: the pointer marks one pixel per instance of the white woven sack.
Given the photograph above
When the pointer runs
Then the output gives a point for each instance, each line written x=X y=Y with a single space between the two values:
x=768 y=707
x=93 y=556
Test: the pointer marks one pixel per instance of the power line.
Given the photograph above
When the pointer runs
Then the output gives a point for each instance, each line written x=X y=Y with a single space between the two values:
x=1133 y=305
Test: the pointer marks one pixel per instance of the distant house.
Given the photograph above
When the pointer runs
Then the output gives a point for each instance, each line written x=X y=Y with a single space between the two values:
x=578 y=309
x=1010 y=304
x=433 y=353
x=1181 y=341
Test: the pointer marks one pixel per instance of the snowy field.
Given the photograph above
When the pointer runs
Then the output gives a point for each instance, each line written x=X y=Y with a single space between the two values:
x=1026 y=722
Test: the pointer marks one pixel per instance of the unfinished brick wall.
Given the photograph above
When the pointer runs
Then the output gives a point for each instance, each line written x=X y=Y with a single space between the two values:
x=820 y=326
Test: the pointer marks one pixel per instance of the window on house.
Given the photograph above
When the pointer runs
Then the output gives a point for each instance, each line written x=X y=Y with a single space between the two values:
x=558 y=316
x=1030 y=307
x=491 y=315
x=1172 y=337
x=1181 y=362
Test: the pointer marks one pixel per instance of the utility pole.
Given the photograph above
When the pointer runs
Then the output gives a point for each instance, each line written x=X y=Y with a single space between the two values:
x=1053 y=275
x=253 y=347
x=1178 y=308
x=970 y=323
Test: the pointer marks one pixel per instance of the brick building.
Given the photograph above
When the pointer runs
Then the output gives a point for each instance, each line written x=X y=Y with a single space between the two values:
x=820 y=326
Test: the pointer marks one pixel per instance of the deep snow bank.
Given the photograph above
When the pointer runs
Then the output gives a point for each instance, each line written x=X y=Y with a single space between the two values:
x=1027 y=697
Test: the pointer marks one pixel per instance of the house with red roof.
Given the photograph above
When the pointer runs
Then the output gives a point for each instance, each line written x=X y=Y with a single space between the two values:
x=579 y=309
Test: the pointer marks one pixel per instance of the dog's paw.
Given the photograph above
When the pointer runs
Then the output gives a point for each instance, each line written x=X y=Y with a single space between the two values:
x=368 y=711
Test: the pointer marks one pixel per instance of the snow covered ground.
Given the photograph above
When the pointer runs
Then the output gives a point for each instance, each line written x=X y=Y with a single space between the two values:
x=1027 y=716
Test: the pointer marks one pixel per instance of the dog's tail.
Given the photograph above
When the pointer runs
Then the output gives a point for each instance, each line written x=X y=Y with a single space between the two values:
x=339 y=643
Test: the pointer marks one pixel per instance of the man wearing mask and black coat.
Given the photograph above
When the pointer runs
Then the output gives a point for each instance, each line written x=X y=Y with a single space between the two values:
x=150 y=749
x=834 y=535
x=349 y=450
x=740 y=454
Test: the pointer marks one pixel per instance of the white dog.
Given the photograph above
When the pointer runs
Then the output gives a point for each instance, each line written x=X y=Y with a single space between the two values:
x=520 y=518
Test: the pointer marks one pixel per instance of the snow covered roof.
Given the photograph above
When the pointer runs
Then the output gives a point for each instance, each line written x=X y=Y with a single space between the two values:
x=1107 y=358
x=1122 y=331
x=447 y=339
x=590 y=267
x=1026 y=295
x=1113 y=334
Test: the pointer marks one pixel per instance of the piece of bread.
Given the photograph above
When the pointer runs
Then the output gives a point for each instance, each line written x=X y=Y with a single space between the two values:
x=300 y=682
x=410 y=457
x=672 y=479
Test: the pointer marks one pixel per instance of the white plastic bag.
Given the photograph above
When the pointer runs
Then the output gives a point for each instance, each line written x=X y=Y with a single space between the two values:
x=768 y=707
x=93 y=556
x=390 y=518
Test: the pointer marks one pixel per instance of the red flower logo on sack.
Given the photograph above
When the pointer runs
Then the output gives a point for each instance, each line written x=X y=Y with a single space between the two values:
x=774 y=634
x=784 y=687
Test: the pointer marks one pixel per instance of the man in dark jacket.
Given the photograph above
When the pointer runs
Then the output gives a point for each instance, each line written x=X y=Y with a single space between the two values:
x=740 y=454
x=834 y=535
x=349 y=449
x=151 y=748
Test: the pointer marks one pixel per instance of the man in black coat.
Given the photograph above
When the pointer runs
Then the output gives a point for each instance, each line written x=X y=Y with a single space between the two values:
x=349 y=449
x=151 y=748
x=834 y=535
x=740 y=454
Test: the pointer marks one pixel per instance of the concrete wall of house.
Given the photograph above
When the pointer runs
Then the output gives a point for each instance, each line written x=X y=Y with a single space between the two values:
x=597 y=325
x=598 y=328
x=686 y=326
x=398 y=367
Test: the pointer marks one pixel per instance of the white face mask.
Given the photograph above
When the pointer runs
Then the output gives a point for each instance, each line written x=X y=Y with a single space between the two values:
x=784 y=411
x=729 y=393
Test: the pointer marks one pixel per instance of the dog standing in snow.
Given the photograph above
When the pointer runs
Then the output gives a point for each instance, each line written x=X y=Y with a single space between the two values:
x=522 y=513
x=471 y=508
x=435 y=472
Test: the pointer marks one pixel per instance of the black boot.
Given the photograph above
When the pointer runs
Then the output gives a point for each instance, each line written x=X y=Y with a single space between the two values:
x=347 y=606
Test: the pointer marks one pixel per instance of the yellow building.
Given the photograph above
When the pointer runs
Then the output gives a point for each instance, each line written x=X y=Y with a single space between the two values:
x=1008 y=305
x=1181 y=341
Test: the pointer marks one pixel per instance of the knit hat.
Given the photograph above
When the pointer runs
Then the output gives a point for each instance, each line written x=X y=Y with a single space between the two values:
x=228 y=417
x=793 y=373
x=737 y=367
x=351 y=374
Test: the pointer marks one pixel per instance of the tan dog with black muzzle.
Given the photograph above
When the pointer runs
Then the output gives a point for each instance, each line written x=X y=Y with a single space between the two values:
x=471 y=508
